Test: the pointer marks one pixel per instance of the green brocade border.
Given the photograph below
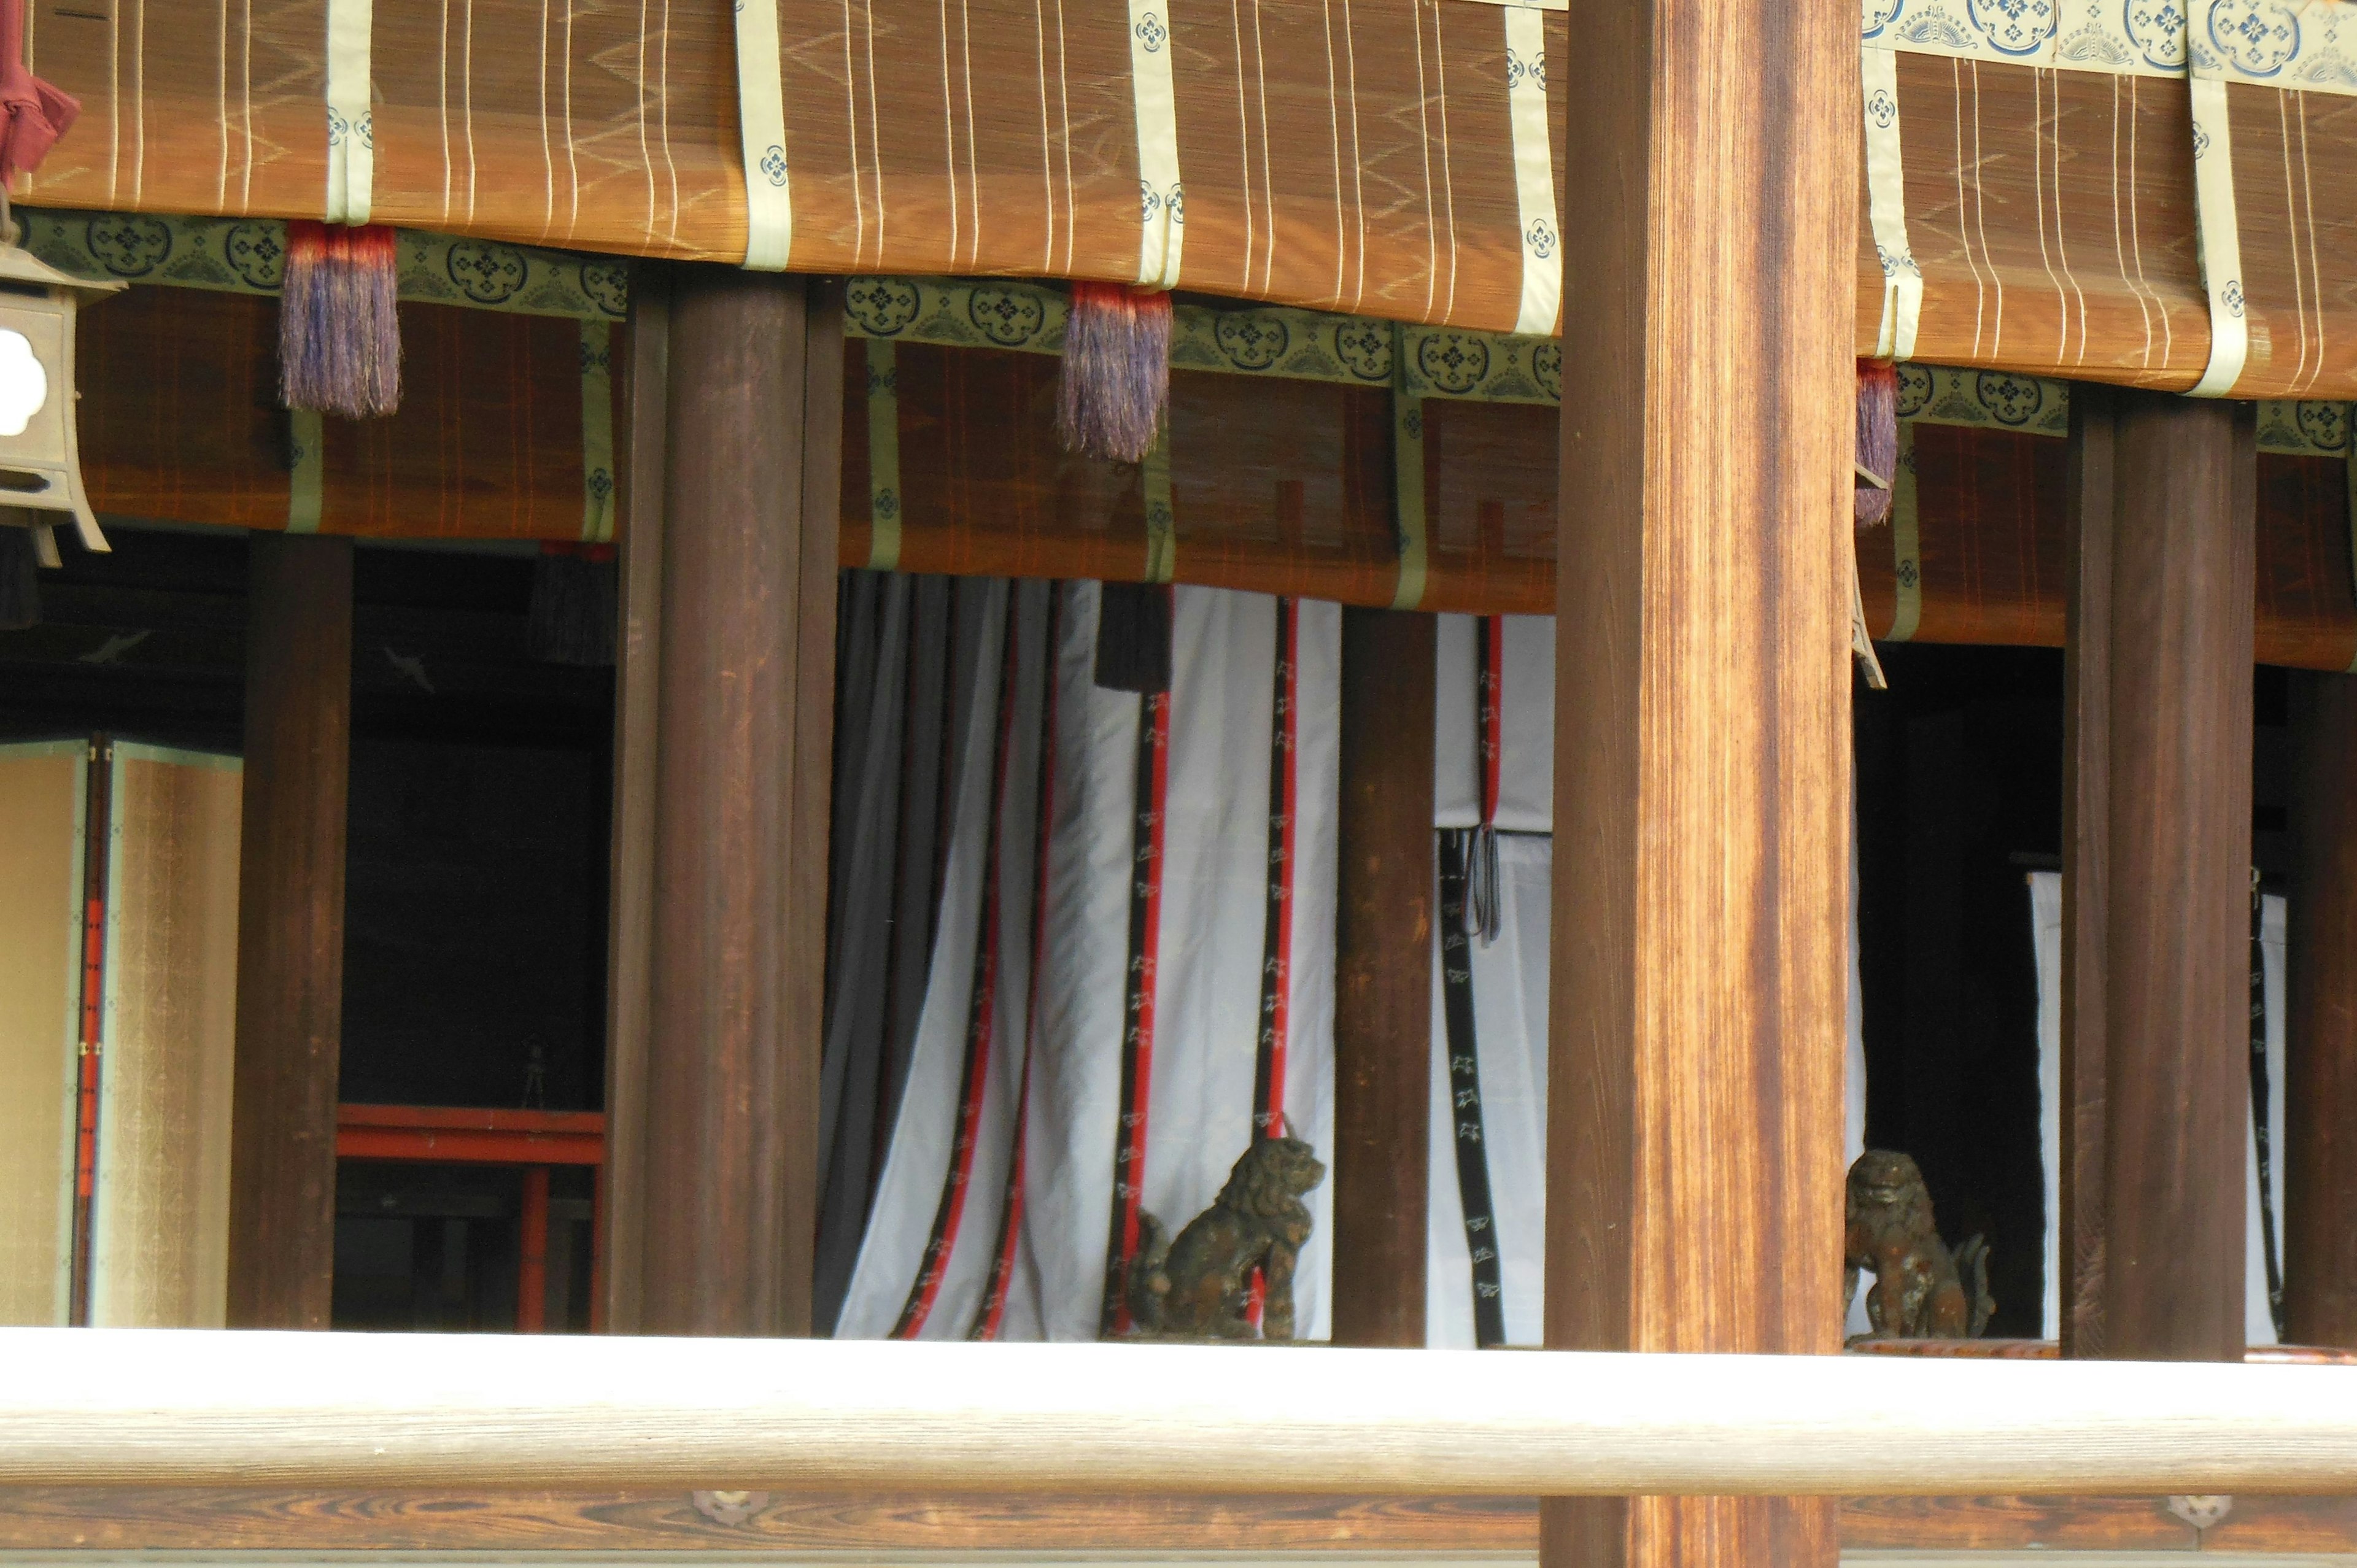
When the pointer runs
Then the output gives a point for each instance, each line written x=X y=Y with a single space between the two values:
x=248 y=255
x=2001 y=400
x=1254 y=341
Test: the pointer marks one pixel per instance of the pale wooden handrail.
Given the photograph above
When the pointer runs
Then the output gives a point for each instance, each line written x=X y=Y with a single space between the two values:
x=156 y=1407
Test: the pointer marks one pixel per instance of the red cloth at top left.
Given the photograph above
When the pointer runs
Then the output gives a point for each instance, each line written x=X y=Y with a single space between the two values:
x=33 y=115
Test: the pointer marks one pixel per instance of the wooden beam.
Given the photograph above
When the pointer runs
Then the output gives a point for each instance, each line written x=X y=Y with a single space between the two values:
x=742 y=742
x=596 y=1526
x=1701 y=753
x=2319 y=1160
x=1383 y=977
x=177 y=1407
x=290 y=931
x=2157 y=853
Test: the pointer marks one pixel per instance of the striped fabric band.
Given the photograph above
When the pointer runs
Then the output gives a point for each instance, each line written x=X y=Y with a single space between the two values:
x=1526 y=100
x=993 y=1313
x=982 y=1016
x=2262 y=1118
x=1465 y=1094
x=761 y=125
x=1886 y=189
x=1152 y=783
x=351 y=132
x=1407 y=488
x=2220 y=242
x=883 y=455
x=1161 y=517
x=1161 y=199
x=1906 y=541
x=597 y=433
x=1276 y=946
x=1484 y=899
x=306 y=469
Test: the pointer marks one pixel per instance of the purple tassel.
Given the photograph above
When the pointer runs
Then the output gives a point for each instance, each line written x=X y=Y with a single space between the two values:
x=1116 y=371
x=338 y=330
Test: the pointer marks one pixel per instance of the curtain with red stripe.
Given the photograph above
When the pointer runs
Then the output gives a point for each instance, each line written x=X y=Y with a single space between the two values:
x=1131 y=968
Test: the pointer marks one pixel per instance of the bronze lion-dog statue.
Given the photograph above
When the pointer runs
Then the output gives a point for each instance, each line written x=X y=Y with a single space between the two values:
x=1921 y=1290
x=1199 y=1285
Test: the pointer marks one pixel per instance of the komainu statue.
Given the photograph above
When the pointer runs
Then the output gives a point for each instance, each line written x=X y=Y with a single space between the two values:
x=1920 y=1292
x=1199 y=1285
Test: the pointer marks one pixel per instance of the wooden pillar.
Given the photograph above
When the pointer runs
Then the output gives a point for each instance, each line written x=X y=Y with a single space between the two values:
x=1702 y=736
x=737 y=893
x=2319 y=1161
x=290 y=931
x=2155 y=874
x=1383 y=977
x=621 y=1209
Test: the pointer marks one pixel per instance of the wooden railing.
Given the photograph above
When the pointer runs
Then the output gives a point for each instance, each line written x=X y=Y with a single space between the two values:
x=172 y=1408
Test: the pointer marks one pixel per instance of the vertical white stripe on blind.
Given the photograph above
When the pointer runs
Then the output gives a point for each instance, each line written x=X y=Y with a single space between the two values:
x=1162 y=210
x=351 y=132
x=1886 y=196
x=761 y=122
x=1526 y=100
x=2219 y=244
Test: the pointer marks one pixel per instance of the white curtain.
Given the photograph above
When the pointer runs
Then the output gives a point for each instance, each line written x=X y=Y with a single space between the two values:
x=2046 y=916
x=965 y=1239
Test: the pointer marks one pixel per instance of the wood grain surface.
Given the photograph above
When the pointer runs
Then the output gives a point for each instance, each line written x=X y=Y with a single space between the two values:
x=2159 y=848
x=1383 y=979
x=394 y=1411
x=2317 y=1180
x=738 y=948
x=187 y=1519
x=644 y=377
x=2087 y=839
x=1702 y=757
x=290 y=961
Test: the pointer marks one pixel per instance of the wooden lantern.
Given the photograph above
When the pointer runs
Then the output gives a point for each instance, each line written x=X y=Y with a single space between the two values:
x=41 y=462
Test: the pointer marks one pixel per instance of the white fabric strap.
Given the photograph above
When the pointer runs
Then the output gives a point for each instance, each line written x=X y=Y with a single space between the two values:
x=883 y=455
x=762 y=120
x=597 y=432
x=306 y=474
x=1886 y=197
x=2220 y=246
x=1162 y=203
x=1526 y=103
x=1161 y=520
x=1906 y=541
x=1407 y=485
x=351 y=132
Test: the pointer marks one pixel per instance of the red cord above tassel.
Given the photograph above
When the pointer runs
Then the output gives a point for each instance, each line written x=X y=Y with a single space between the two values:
x=338 y=330
x=1877 y=461
x=1116 y=373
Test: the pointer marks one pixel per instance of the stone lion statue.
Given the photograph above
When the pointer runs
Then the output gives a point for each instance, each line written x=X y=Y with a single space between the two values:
x=1199 y=1285
x=1921 y=1291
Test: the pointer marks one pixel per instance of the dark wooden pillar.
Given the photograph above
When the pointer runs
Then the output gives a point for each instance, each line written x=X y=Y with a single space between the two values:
x=743 y=737
x=2156 y=876
x=2319 y=1154
x=290 y=931
x=1702 y=725
x=1383 y=977
x=645 y=380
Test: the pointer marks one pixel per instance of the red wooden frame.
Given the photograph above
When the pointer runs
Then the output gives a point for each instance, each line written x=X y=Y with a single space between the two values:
x=469 y=1135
